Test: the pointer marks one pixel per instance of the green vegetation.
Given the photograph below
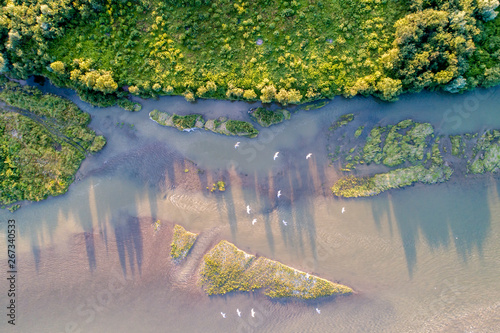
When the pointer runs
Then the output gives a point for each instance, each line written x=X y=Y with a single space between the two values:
x=182 y=241
x=405 y=141
x=285 y=51
x=486 y=153
x=314 y=106
x=456 y=145
x=342 y=121
x=193 y=121
x=221 y=185
x=266 y=118
x=43 y=140
x=404 y=146
x=359 y=131
x=352 y=186
x=226 y=268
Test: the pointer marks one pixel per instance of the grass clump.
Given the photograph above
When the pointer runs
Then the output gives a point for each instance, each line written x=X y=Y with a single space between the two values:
x=182 y=241
x=226 y=268
x=241 y=128
x=359 y=131
x=266 y=118
x=456 y=145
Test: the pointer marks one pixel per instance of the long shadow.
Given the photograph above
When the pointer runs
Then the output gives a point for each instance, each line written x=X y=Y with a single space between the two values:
x=443 y=215
x=381 y=208
x=226 y=199
x=128 y=239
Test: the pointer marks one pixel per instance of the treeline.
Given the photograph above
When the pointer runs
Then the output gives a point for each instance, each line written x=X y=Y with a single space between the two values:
x=274 y=51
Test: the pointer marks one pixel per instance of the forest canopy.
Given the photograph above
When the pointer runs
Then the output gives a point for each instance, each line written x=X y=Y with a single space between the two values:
x=274 y=51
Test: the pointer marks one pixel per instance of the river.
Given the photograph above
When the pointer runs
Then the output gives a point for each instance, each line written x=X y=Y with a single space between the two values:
x=421 y=259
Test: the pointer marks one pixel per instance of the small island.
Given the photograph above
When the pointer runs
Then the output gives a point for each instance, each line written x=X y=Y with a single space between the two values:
x=191 y=122
x=266 y=118
x=43 y=140
x=410 y=152
x=226 y=268
x=182 y=241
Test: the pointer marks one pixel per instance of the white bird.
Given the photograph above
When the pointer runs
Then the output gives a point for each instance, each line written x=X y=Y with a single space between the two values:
x=343 y=210
x=285 y=222
x=223 y=315
x=309 y=156
x=253 y=312
x=279 y=194
x=238 y=312
x=254 y=221
x=318 y=310
x=237 y=145
x=248 y=209
x=276 y=155
x=307 y=276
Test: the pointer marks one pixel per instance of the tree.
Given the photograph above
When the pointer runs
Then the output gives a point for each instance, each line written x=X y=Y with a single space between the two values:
x=268 y=93
x=389 y=88
x=189 y=96
x=58 y=67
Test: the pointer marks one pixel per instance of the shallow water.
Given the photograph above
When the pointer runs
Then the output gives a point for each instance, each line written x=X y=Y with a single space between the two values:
x=425 y=258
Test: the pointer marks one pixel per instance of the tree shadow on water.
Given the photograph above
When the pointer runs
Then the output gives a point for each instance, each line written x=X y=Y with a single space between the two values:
x=444 y=215
x=128 y=239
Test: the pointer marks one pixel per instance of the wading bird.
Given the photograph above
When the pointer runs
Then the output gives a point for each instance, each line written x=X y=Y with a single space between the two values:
x=254 y=221
x=318 y=310
x=309 y=156
x=248 y=209
x=223 y=315
x=279 y=194
x=276 y=155
x=238 y=312
x=285 y=222
x=237 y=145
x=253 y=313
x=343 y=210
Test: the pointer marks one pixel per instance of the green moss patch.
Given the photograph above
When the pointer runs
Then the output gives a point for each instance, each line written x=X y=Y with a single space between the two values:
x=226 y=268
x=182 y=241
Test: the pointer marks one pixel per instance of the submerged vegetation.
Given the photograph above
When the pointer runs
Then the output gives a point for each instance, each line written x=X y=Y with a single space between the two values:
x=195 y=121
x=43 y=140
x=226 y=268
x=411 y=153
x=182 y=241
x=284 y=51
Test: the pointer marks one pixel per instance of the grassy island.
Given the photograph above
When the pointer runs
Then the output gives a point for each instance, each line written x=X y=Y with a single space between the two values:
x=43 y=140
x=226 y=268
x=194 y=121
x=411 y=153
x=266 y=118
x=182 y=241
x=289 y=52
